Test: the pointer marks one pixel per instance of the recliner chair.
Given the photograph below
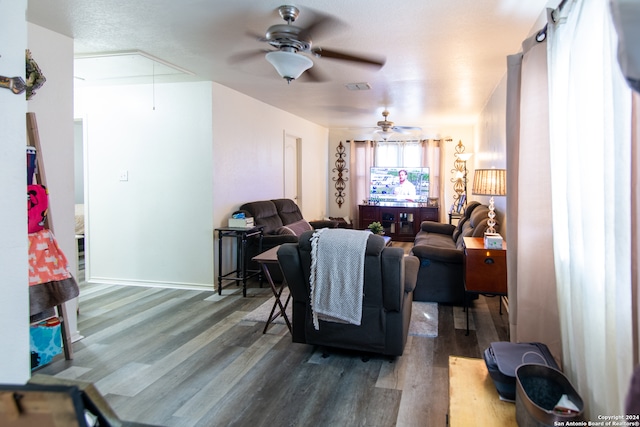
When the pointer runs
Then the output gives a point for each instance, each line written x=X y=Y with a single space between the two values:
x=390 y=278
x=283 y=223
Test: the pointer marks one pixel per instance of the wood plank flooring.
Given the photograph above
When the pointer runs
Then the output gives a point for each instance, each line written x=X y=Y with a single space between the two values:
x=184 y=358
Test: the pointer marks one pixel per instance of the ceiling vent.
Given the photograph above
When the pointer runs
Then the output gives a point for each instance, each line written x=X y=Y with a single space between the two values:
x=358 y=86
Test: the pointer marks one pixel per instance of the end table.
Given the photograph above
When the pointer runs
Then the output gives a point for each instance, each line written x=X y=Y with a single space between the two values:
x=485 y=271
x=241 y=273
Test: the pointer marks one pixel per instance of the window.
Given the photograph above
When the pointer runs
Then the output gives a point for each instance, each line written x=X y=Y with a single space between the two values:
x=399 y=153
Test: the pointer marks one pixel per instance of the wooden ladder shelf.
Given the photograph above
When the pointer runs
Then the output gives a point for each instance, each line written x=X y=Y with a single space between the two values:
x=33 y=140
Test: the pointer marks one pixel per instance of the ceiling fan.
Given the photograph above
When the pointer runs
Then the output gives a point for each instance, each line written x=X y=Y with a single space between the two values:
x=387 y=128
x=293 y=43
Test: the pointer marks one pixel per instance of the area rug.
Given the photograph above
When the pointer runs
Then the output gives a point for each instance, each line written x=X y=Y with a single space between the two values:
x=424 y=316
x=424 y=319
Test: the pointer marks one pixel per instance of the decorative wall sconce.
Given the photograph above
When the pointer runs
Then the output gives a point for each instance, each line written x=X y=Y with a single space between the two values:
x=340 y=180
x=35 y=78
x=460 y=175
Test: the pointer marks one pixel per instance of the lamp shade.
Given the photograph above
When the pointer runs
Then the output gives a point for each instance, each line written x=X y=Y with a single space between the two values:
x=288 y=64
x=490 y=182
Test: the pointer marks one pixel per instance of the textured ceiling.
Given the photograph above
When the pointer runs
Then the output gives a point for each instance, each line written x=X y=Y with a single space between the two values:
x=443 y=58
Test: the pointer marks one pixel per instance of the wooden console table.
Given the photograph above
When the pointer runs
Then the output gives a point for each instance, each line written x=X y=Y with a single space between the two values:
x=401 y=223
x=473 y=398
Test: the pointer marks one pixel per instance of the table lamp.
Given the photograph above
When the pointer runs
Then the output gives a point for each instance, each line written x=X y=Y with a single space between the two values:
x=490 y=182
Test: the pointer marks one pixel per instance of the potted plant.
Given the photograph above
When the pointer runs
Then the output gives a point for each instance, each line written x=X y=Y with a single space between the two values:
x=376 y=228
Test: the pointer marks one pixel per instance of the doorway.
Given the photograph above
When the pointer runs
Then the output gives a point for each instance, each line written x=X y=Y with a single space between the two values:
x=79 y=197
x=292 y=181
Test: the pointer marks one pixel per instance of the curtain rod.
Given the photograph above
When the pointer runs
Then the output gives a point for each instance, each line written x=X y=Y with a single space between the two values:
x=542 y=34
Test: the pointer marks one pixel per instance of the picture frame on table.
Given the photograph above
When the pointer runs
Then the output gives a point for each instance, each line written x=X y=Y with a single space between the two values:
x=461 y=201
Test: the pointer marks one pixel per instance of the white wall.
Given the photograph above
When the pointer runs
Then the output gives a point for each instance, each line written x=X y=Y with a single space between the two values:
x=248 y=159
x=491 y=146
x=201 y=153
x=155 y=227
x=248 y=138
x=14 y=330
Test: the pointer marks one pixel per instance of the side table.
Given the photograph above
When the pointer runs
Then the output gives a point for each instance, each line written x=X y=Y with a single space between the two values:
x=264 y=259
x=453 y=215
x=241 y=273
x=485 y=271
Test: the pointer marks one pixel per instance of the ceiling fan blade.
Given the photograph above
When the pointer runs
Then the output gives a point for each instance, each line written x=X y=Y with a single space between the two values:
x=405 y=129
x=326 y=53
x=320 y=25
x=244 y=56
x=255 y=36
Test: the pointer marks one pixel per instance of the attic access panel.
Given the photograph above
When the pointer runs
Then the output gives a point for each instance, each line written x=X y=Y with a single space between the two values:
x=123 y=65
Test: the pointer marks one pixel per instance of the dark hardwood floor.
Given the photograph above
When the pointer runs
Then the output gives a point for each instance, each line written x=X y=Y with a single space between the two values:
x=184 y=358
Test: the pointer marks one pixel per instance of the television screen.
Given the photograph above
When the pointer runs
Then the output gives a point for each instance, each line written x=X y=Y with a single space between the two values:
x=399 y=184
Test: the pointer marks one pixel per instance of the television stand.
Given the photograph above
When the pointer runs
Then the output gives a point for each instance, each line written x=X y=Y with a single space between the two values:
x=400 y=222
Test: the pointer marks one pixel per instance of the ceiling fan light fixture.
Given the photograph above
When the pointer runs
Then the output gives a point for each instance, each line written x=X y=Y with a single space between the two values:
x=289 y=65
x=384 y=134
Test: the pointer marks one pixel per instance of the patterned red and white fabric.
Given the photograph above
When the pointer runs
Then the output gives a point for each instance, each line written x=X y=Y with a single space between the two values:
x=47 y=263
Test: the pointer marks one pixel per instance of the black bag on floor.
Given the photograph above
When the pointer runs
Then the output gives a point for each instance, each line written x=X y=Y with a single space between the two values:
x=502 y=359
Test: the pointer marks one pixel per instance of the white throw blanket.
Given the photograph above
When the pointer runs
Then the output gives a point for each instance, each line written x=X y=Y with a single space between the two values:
x=337 y=275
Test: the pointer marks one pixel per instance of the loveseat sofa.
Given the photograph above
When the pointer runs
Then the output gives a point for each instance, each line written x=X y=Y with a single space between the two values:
x=440 y=249
x=283 y=223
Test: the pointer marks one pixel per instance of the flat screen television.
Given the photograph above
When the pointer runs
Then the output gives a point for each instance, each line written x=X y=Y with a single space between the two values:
x=399 y=184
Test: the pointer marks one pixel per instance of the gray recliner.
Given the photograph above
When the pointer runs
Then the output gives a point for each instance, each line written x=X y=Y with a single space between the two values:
x=390 y=278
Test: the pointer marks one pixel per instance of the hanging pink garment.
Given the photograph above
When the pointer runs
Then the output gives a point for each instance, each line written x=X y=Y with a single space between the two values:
x=47 y=263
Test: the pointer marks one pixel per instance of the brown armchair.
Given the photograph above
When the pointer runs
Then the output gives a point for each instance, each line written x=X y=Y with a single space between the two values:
x=390 y=278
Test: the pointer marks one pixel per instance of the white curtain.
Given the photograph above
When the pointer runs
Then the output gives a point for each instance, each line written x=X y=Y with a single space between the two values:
x=431 y=159
x=533 y=307
x=399 y=153
x=590 y=131
x=635 y=228
x=361 y=159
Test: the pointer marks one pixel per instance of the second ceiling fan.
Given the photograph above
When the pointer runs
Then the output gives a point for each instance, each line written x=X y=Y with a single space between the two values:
x=387 y=128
